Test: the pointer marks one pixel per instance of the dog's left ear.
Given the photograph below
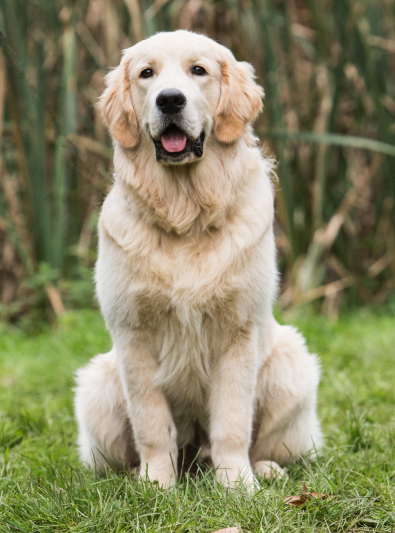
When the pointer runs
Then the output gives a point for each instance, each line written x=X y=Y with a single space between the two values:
x=240 y=100
x=116 y=106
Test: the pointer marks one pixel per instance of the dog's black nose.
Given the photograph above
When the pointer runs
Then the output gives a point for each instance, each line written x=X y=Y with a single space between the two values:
x=171 y=101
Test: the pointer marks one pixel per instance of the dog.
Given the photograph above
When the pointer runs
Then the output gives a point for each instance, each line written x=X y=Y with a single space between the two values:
x=186 y=278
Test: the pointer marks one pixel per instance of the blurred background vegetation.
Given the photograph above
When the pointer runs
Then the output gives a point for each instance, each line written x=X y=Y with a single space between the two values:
x=328 y=69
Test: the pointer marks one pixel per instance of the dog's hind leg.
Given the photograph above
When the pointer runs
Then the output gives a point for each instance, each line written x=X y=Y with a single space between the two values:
x=286 y=423
x=104 y=433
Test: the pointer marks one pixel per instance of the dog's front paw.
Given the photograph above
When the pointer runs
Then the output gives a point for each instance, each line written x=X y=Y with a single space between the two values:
x=164 y=474
x=232 y=475
x=269 y=469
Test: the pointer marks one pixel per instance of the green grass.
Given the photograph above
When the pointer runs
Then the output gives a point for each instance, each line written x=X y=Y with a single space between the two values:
x=43 y=488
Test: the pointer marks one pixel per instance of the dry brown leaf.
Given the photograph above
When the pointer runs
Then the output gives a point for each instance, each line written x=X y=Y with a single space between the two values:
x=228 y=530
x=306 y=497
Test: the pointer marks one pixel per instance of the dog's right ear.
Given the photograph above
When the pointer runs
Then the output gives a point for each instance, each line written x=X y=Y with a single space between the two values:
x=116 y=107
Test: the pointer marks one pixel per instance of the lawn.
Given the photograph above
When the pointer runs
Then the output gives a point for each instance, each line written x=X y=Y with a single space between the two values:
x=43 y=488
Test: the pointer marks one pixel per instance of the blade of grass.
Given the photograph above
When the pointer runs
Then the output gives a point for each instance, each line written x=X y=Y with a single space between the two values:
x=337 y=139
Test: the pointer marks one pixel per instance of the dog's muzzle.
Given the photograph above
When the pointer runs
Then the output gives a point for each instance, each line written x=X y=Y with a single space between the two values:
x=174 y=146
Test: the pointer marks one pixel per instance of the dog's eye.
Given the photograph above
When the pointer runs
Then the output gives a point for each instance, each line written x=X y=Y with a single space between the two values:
x=199 y=71
x=146 y=73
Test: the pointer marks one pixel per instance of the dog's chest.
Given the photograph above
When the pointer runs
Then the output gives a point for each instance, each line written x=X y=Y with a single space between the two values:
x=148 y=272
x=191 y=298
x=152 y=276
x=187 y=297
x=198 y=275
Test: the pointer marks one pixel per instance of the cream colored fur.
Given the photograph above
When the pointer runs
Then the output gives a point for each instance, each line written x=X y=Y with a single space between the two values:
x=186 y=278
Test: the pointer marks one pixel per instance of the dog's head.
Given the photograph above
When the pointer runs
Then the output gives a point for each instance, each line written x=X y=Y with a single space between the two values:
x=177 y=89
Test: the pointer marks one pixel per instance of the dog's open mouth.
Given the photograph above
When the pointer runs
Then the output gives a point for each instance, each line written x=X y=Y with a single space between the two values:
x=174 y=145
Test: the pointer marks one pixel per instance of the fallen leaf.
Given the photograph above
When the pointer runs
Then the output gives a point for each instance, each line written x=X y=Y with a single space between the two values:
x=306 y=497
x=294 y=500
x=228 y=530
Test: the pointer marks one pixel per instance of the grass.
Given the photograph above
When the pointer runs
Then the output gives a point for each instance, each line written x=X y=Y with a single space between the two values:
x=43 y=488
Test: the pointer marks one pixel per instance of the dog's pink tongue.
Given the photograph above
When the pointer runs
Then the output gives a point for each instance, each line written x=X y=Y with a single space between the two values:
x=173 y=141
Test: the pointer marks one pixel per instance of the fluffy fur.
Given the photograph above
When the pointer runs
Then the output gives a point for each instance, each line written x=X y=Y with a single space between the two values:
x=186 y=278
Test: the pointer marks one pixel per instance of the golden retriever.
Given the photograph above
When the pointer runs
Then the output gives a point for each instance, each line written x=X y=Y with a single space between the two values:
x=186 y=278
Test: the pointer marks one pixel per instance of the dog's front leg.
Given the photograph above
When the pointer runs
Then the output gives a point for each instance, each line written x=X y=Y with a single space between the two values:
x=154 y=431
x=231 y=409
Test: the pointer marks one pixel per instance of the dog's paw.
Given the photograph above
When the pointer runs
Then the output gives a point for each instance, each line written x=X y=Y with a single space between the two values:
x=165 y=477
x=233 y=476
x=269 y=469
